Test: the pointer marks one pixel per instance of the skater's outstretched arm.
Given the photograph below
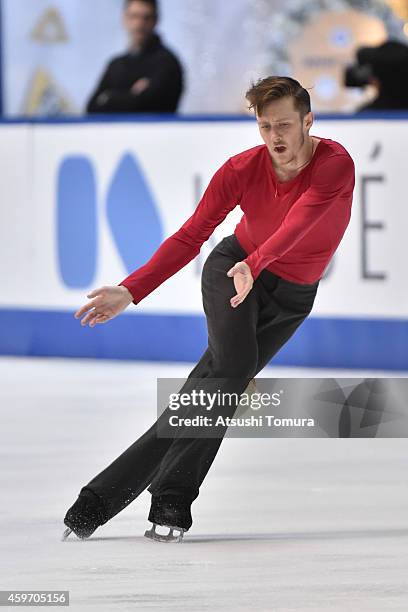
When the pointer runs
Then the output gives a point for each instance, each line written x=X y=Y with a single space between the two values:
x=223 y=193
x=221 y=196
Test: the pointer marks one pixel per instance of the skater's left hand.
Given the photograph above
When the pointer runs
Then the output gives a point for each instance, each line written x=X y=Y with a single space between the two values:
x=243 y=282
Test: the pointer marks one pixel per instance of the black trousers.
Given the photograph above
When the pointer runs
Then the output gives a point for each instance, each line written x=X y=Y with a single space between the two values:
x=241 y=342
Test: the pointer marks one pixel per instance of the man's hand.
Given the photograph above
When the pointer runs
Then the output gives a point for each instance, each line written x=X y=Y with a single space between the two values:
x=108 y=302
x=243 y=282
x=139 y=86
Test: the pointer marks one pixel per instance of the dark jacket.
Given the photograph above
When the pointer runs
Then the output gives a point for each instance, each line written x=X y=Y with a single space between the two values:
x=384 y=102
x=154 y=62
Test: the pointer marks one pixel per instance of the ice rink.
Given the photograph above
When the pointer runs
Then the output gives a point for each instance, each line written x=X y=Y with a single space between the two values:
x=288 y=524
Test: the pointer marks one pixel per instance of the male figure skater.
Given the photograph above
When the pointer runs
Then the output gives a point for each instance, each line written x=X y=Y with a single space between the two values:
x=258 y=285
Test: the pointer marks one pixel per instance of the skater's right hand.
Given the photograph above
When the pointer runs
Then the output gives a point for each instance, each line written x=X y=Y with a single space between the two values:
x=106 y=304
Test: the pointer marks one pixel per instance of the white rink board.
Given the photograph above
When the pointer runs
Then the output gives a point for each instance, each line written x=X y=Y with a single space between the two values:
x=171 y=155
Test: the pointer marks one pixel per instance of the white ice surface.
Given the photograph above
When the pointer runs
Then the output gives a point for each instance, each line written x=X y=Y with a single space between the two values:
x=280 y=524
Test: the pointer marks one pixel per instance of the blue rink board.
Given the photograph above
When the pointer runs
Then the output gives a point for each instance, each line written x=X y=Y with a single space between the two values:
x=318 y=342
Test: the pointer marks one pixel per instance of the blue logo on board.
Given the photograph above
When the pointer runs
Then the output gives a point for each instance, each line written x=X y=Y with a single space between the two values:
x=130 y=210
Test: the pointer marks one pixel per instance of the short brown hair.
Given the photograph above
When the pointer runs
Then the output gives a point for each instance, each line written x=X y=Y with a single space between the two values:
x=153 y=4
x=274 y=88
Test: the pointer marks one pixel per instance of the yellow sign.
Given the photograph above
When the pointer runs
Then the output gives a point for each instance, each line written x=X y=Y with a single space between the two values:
x=50 y=28
x=45 y=97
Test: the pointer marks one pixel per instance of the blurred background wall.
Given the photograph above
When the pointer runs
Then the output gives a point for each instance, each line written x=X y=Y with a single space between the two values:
x=54 y=51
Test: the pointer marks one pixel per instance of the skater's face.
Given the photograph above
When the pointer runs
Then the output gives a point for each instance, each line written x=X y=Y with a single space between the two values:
x=284 y=131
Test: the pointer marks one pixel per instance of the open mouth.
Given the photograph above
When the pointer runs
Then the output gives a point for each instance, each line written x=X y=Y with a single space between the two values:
x=280 y=149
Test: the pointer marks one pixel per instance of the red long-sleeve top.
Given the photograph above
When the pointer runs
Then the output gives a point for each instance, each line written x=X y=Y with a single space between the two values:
x=291 y=228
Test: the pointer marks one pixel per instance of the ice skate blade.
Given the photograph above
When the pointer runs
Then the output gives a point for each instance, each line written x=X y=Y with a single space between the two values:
x=68 y=531
x=151 y=534
x=66 y=534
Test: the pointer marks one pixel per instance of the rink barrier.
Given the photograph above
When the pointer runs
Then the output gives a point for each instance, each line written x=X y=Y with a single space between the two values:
x=322 y=341
x=192 y=118
x=318 y=342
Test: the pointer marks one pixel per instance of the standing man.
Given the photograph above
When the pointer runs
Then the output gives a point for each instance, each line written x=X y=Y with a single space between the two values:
x=258 y=286
x=148 y=78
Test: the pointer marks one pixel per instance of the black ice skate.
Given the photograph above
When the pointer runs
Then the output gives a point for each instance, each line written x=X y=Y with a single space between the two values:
x=84 y=516
x=169 y=511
